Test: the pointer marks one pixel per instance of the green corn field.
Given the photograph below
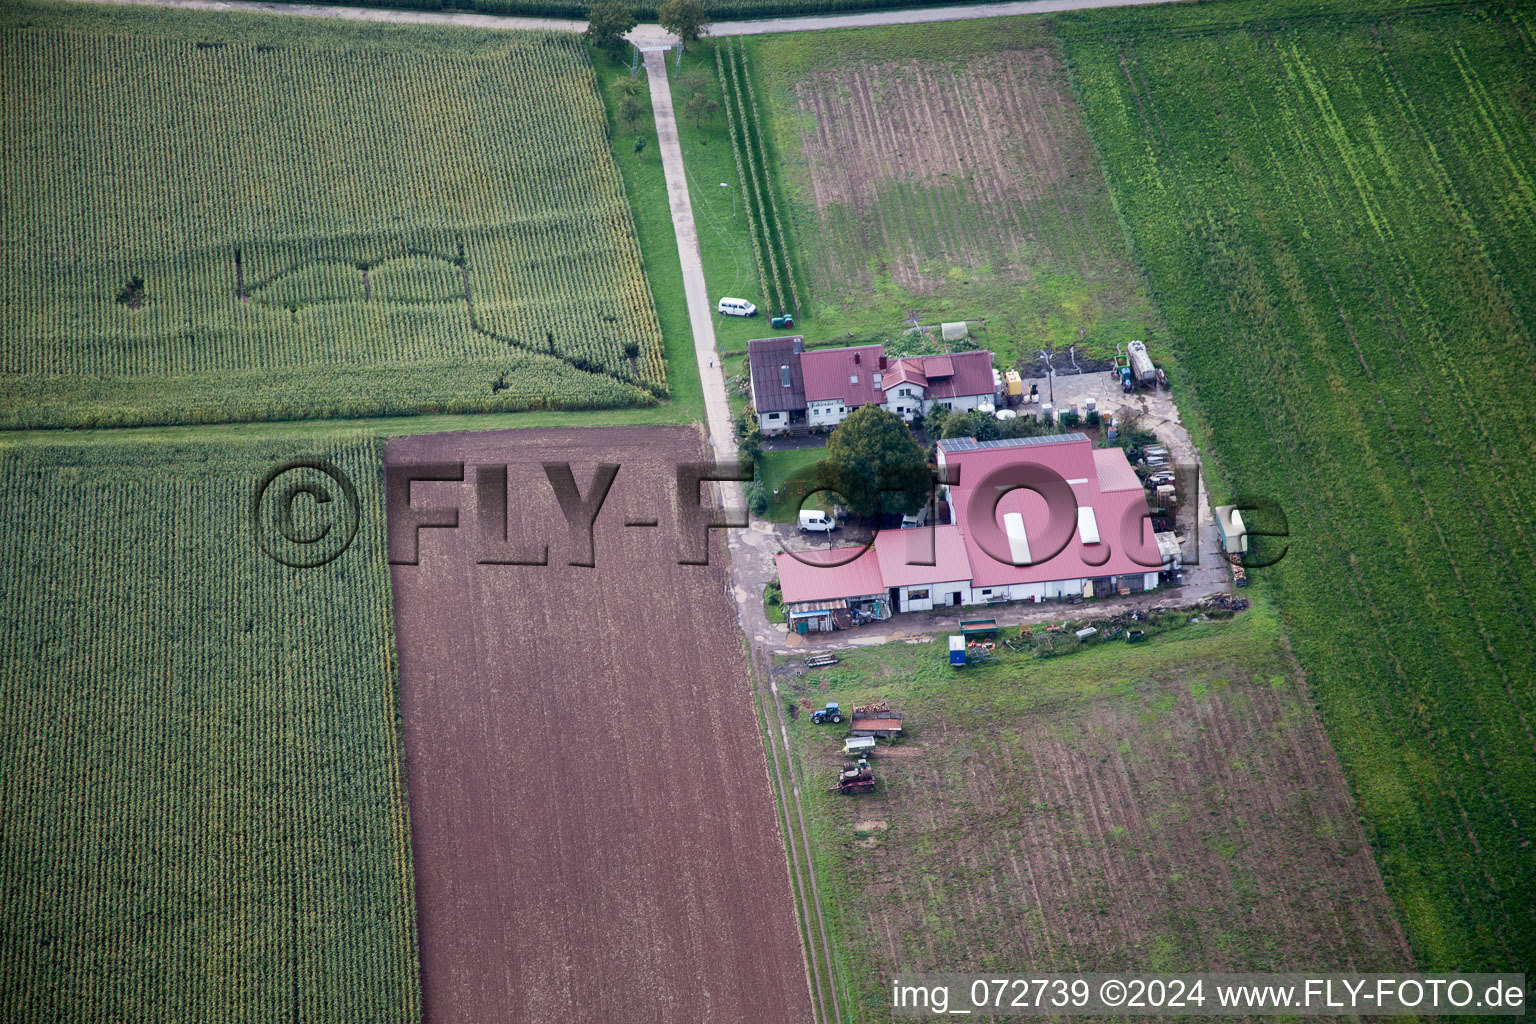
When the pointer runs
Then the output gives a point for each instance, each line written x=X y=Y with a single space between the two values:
x=1335 y=212
x=216 y=218
x=202 y=815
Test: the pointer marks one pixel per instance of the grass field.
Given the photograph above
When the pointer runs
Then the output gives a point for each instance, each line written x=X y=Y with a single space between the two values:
x=203 y=814
x=788 y=472
x=645 y=186
x=1167 y=806
x=1336 y=212
x=721 y=214
x=944 y=173
x=353 y=221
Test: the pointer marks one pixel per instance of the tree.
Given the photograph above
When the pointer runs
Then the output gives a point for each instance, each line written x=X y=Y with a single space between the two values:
x=1026 y=426
x=693 y=82
x=934 y=420
x=685 y=19
x=873 y=451
x=700 y=107
x=972 y=424
x=631 y=110
x=607 y=24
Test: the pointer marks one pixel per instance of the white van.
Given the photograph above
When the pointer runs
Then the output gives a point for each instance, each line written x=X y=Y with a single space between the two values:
x=814 y=520
x=920 y=518
x=736 y=307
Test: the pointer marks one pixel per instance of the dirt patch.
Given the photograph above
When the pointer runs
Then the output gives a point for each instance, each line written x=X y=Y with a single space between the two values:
x=594 y=833
x=1064 y=362
x=132 y=293
x=988 y=122
x=942 y=164
x=1199 y=821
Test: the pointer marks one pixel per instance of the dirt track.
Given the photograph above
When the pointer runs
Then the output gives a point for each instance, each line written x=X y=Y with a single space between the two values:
x=593 y=827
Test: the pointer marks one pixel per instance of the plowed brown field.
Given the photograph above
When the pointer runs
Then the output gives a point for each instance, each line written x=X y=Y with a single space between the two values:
x=1160 y=807
x=948 y=163
x=594 y=831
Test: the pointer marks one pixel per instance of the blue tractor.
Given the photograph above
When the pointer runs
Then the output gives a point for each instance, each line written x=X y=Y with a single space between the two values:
x=831 y=713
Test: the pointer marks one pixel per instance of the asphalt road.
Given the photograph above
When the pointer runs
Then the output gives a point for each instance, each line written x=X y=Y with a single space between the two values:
x=647 y=35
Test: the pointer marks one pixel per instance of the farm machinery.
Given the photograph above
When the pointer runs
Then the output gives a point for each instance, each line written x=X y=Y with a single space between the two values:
x=868 y=722
x=1135 y=369
x=855 y=777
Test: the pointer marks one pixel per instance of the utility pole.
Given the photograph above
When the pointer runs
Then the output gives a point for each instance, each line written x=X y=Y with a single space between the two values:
x=1050 y=374
x=725 y=184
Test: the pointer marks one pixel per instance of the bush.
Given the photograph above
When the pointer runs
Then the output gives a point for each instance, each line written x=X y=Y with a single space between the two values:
x=757 y=500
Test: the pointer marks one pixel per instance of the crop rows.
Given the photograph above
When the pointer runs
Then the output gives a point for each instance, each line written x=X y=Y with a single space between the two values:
x=770 y=245
x=1334 y=219
x=1175 y=800
x=749 y=195
x=335 y=201
x=785 y=251
x=202 y=811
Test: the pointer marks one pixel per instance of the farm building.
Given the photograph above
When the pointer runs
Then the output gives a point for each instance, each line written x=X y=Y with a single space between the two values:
x=1104 y=547
x=924 y=569
x=778 y=388
x=824 y=590
x=839 y=380
x=1111 y=550
x=794 y=389
x=959 y=382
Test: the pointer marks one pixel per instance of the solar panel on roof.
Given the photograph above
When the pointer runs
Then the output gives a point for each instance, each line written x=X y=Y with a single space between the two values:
x=967 y=444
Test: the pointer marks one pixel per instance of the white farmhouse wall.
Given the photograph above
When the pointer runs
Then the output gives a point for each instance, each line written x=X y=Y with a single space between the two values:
x=934 y=595
x=773 y=422
x=905 y=400
x=962 y=403
x=826 y=414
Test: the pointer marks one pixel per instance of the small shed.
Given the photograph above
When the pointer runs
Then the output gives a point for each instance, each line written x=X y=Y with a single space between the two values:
x=1168 y=549
x=954 y=331
x=876 y=723
x=813 y=616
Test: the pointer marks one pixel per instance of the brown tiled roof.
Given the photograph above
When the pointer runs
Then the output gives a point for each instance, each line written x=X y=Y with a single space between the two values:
x=768 y=357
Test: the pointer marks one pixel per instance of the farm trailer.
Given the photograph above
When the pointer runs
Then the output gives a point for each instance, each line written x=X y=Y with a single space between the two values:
x=886 y=724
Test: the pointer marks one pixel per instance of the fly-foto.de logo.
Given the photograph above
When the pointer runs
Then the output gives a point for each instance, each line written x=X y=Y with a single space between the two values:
x=306 y=513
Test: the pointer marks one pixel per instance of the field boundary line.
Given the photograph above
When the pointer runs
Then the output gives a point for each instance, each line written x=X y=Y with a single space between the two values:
x=783 y=779
x=765 y=675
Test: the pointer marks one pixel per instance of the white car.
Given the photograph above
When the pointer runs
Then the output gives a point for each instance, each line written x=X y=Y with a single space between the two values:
x=736 y=307
x=814 y=520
